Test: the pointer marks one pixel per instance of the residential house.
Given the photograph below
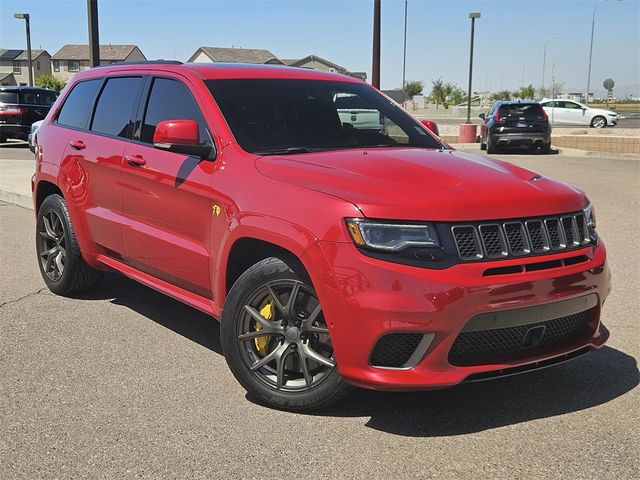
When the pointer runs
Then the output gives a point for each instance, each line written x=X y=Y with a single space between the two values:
x=234 y=55
x=14 y=66
x=318 y=63
x=75 y=58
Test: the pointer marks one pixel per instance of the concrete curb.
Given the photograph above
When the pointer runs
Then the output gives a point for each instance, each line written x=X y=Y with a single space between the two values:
x=574 y=152
x=24 y=201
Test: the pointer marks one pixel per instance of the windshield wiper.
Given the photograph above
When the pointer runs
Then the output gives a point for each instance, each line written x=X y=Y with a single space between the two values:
x=284 y=151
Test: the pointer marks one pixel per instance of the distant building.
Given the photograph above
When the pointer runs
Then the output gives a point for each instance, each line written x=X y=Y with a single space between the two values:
x=14 y=66
x=318 y=63
x=234 y=55
x=71 y=59
x=398 y=95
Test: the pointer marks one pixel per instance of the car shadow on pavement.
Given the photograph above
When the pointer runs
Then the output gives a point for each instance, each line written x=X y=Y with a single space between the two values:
x=523 y=151
x=172 y=314
x=589 y=381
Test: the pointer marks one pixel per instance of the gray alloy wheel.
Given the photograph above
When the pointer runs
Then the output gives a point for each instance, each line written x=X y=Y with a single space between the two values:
x=599 y=122
x=59 y=258
x=52 y=248
x=275 y=338
x=284 y=340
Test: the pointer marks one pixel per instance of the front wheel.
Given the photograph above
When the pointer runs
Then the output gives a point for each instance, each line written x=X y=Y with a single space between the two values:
x=276 y=341
x=599 y=122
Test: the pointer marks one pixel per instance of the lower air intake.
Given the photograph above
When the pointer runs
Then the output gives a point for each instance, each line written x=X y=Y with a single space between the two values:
x=394 y=350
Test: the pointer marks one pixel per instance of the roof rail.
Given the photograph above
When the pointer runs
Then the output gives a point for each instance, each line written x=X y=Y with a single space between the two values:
x=143 y=62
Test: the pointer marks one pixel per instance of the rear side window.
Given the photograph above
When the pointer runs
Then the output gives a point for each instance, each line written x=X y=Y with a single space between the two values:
x=37 y=97
x=171 y=100
x=521 y=110
x=77 y=106
x=8 y=97
x=115 y=106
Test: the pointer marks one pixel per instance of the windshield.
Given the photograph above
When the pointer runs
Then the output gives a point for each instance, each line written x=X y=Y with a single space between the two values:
x=296 y=116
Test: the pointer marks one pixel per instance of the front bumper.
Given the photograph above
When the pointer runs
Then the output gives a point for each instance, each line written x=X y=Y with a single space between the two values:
x=364 y=298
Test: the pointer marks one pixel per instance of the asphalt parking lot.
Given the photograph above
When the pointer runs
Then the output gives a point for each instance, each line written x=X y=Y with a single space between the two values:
x=125 y=382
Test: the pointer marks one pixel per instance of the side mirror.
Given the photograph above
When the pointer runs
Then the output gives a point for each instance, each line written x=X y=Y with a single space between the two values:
x=431 y=126
x=180 y=136
x=482 y=116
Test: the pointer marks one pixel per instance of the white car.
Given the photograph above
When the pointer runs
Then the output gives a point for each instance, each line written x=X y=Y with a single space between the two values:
x=568 y=112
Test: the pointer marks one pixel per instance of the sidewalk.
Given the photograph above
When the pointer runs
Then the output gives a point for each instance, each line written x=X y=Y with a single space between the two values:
x=15 y=181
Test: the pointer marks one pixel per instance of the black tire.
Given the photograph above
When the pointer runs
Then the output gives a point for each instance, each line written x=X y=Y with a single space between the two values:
x=598 y=122
x=483 y=146
x=545 y=148
x=281 y=388
x=490 y=148
x=75 y=275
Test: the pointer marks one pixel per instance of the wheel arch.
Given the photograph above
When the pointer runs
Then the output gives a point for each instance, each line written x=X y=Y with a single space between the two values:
x=44 y=189
x=254 y=239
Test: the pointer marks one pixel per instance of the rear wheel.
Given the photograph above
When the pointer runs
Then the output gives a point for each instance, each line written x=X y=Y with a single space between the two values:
x=490 y=148
x=61 y=264
x=545 y=148
x=276 y=341
x=599 y=122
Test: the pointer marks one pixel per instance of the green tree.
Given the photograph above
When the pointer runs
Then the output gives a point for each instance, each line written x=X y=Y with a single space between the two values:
x=455 y=95
x=438 y=94
x=49 y=81
x=502 y=95
x=526 y=93
x=413 y=87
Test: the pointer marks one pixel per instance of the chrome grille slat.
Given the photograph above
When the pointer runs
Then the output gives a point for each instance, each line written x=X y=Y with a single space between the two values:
x=518 y=238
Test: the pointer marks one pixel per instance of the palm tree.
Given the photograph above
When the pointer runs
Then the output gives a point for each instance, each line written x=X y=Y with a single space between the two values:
x=438 y=92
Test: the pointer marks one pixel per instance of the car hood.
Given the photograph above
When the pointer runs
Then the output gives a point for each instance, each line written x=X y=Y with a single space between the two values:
x=421 y=184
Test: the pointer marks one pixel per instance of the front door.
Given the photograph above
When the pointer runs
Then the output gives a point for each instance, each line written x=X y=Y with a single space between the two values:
x=166 y=195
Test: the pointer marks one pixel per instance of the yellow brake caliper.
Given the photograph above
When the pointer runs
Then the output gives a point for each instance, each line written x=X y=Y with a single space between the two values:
x=262 y=342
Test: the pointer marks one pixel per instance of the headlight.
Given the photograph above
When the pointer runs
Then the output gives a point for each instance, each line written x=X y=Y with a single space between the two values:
x=590 y=217
x=391 y=236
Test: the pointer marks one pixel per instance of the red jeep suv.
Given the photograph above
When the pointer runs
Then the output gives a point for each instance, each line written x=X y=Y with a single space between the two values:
x=334 y=254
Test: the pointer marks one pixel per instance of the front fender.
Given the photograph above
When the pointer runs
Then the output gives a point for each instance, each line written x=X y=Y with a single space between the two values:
x=277 y=231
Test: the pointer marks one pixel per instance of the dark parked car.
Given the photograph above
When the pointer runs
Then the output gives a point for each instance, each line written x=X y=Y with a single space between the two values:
x=20 y=107
x=511 y=124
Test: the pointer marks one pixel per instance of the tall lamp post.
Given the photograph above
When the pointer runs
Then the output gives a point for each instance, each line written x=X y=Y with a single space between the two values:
x=375 y=67
x=94 y=41
x=25 y=17
x=544 y=63
x=404 y=55
x=593 y=25
x=472 y=16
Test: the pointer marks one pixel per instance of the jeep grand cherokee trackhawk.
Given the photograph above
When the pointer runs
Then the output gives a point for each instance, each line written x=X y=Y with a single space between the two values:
x=334 y=254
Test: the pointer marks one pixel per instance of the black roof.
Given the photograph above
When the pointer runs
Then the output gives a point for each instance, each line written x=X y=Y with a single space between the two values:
x=10 y=54
x=9 y=88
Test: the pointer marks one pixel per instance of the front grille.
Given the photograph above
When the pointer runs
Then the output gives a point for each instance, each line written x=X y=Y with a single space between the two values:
x=395 y=349
x=477 y=346
x=517 y=238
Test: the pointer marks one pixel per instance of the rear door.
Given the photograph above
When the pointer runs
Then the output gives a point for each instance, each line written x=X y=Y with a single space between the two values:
x=574 y=114
x=95 y=149
x=166 y=195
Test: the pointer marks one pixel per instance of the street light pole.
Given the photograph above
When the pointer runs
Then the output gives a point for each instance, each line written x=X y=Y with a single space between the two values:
x=593 y=26
x=473 y=17
x=404 y=58
x=544 y=63
x=94 y=41
x=375 y=67
x=25 y=16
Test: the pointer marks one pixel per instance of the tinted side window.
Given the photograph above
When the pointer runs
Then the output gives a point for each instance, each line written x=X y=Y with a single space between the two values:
x=77 y=106
x=171 y=100
x=115 y=105
x=37 y=97
x=8 y=97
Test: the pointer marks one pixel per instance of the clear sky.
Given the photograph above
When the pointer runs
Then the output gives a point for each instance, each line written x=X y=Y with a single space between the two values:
x=510 y=36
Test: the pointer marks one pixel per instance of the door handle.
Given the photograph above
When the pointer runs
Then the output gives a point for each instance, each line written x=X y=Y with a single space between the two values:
x=78 y=144
x=135 y=160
